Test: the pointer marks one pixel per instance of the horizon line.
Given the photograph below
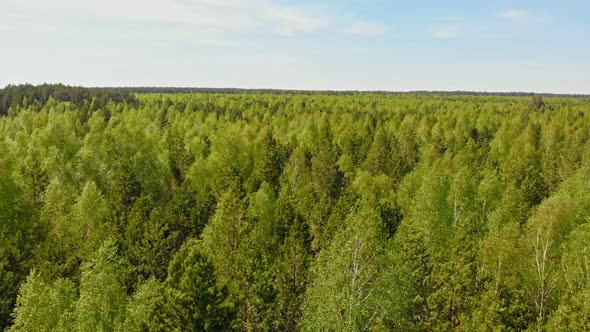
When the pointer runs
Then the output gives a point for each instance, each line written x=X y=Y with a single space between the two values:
x=203 y=89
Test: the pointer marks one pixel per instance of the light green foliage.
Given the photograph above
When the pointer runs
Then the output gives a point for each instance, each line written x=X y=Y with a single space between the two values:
x=293 y=211
x=225 y=233
x=43 y=306
x=141 y=311
x=88 y=227
x=346 y=291
x=573 y=310
x=102 y=296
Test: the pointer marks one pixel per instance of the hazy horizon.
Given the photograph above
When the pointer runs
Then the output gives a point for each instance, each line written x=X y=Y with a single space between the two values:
x=204 y=88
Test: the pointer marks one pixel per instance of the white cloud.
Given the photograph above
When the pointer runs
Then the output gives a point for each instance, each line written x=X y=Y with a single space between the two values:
x=207 y=16
x=291 y=22
x=446 y=31
x=367 y=29
x=516 y=16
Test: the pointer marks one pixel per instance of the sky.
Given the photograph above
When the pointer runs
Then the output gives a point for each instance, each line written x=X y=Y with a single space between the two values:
x=476 y=45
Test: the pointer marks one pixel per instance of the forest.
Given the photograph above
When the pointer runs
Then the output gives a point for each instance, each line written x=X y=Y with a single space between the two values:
x=213 y=211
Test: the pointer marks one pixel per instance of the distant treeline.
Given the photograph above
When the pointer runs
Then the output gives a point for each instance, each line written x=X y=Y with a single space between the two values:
x=189 y=90
x=26 y=94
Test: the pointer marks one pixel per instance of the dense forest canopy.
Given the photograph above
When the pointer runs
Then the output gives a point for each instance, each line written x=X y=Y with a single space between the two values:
x=293 y=212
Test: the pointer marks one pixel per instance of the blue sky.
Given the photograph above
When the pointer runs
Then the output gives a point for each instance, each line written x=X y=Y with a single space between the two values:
x=493 y=45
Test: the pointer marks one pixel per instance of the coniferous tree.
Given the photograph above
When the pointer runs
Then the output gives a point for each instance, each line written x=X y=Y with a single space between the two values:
x=193 y=299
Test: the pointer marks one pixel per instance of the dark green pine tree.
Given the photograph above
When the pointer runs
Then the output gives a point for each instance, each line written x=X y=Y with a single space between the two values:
x=193 y=298
x=326 y=181
x=292 y=268
x=269 y=165
x=19 y=231
x=380 y=159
